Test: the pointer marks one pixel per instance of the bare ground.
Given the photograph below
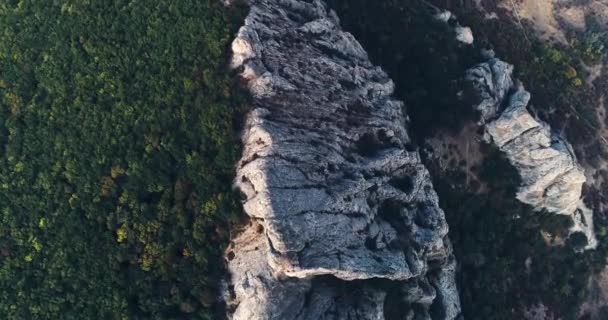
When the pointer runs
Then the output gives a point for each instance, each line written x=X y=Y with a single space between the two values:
x=551 y=19
x=450 y=148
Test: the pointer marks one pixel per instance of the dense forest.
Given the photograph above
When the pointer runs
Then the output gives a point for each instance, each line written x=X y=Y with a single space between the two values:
x=117 y=149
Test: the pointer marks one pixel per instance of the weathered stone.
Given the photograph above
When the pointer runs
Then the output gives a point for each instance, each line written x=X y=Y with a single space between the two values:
x=269 y=294
x=551 y=178
x=463 y=34
x=328 y=176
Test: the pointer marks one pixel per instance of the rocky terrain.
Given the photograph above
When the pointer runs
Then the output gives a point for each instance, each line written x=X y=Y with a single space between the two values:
x=343 y=214
x=552 y=179
x=559 y=51
x=344 y=219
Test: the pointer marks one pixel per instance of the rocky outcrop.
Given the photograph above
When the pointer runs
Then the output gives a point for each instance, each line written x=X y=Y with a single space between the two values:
x=345 y=223
x=462 y=34
x=551 y=178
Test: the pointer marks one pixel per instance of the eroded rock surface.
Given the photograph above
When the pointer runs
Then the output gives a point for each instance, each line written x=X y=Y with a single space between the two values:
x=551 y=177
x=345 y=220
x=463 y=34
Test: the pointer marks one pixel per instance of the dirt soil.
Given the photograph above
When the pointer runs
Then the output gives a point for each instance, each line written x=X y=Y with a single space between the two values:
x=552 y=19
x=597 y=297
x=461 y=150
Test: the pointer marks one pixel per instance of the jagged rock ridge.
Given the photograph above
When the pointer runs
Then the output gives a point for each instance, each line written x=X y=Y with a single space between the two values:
x=340 y=204
x=551 y=177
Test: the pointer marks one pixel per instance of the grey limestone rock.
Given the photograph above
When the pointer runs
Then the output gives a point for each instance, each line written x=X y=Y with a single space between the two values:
x=261 y=292
x=340 y=203
x=551 y=177
x=462 y=34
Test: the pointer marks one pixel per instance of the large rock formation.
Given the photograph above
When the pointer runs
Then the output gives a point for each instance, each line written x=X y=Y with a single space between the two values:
x=551 y=178
x=345 y=223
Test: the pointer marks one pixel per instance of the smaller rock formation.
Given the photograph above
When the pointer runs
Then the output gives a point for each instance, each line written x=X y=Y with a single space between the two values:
x=551 y=178
x=463 y=34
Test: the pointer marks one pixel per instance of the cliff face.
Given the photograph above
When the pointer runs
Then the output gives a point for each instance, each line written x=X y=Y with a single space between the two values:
x=552 y=179
x=345 y=222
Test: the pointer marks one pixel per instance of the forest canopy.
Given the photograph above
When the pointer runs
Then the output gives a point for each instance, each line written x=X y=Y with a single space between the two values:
x=117 y=148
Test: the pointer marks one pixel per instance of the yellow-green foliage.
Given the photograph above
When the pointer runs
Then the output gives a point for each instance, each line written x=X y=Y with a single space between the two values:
x=116 y=156
x=555 y=55
x=570 y=72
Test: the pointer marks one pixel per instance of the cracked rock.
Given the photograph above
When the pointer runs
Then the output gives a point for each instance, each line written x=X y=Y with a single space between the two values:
x=340 y=205
x=551 y=178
